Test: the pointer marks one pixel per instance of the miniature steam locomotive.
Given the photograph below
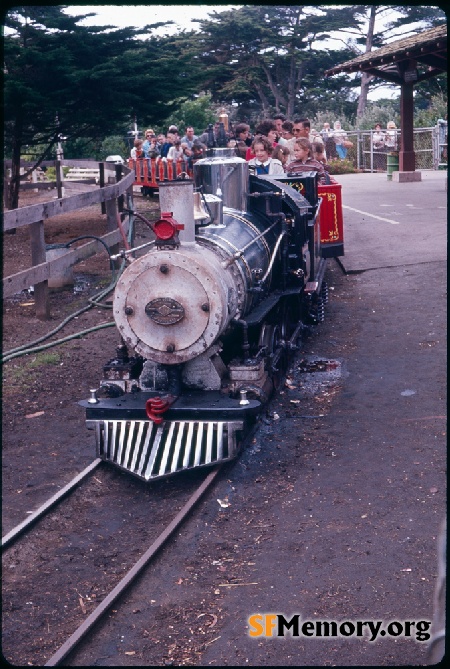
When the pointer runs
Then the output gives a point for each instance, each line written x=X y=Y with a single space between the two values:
x=209 y=316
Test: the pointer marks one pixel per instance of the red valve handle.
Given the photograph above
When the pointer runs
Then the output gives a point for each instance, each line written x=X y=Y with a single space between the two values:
x=155 y=407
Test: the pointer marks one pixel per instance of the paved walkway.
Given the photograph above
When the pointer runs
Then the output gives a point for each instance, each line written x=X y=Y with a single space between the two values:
x=389 y=223
x=355 y=538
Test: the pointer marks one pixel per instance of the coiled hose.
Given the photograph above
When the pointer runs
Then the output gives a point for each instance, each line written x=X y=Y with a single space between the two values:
x=33 y=347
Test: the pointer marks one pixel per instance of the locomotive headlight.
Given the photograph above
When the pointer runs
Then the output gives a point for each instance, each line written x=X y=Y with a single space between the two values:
x=171 y=305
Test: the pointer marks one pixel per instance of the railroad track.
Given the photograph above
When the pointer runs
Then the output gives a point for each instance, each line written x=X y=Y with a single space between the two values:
x=24 y=531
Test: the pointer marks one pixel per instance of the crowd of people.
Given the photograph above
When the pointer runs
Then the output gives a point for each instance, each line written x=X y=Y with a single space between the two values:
x=277 y=146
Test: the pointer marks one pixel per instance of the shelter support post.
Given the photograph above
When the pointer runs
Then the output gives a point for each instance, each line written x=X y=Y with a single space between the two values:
x=407 y=157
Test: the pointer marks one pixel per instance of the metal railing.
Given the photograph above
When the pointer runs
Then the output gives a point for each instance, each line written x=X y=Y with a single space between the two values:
x=430 y=147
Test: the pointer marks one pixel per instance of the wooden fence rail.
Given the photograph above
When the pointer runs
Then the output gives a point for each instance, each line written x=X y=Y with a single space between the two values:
x=35 y=216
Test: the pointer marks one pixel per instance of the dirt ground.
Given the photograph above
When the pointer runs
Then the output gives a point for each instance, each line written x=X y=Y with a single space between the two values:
x=332 y=512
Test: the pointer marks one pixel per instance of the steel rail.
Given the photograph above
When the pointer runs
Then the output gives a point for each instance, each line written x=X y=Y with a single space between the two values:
x=42 y=510
x=101 y=609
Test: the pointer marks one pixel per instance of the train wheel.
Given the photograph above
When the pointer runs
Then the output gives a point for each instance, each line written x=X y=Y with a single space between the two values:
x=271 y=338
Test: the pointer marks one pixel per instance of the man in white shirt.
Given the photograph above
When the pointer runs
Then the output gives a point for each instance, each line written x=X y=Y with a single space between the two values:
x=189 y=137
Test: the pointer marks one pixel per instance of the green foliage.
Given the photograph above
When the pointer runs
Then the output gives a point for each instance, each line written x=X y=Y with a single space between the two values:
x=381 y=112
x=50 y=173
x=427 y=118
x=198 y=113
x=112 y=146
x=266 y=54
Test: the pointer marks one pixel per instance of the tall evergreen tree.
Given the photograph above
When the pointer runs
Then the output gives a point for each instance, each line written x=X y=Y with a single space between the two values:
x=61 y=78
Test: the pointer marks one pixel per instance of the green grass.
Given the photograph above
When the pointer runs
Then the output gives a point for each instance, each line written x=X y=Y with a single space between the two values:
x=21 y=374
x=43 y=359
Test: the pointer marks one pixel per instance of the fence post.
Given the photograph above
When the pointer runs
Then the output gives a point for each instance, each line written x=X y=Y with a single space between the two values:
x=101 y=167
x=41 y=295
x=118 y=169
x=59 y=185
x=111 y=220
x=6 y=198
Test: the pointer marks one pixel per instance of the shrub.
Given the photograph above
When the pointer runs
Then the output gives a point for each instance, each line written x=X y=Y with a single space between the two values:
x=345 y=166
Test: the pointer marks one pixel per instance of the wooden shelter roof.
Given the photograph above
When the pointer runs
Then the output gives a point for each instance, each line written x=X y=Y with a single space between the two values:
x=428 y=49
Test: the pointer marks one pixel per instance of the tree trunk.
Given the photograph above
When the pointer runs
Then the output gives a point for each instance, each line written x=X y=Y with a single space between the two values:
x=367 y=78
x=362 y=101
x=15 y=166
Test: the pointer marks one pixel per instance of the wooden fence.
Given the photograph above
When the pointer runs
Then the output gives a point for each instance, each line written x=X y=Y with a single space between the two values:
x=110 y=197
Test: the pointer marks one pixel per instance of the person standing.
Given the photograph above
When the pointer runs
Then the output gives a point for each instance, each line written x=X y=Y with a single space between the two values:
x=378 y=148
x=390 y=137
x=340 y=139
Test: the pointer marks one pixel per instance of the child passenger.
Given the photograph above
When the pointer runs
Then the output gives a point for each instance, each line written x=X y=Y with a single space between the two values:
x=136 y=151
x=263 y=163
x=282 y=154
x=318 y=153
x=304 y=162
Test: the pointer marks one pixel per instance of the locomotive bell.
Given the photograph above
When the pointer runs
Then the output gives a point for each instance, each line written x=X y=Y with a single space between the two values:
x=200 y=213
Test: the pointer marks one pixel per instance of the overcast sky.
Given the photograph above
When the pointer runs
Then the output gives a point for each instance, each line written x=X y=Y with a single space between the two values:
x=183 y=15
x=138 y=15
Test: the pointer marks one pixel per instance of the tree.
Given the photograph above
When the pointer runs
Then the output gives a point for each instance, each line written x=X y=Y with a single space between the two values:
x=375 y=25
x=65 y=79
x=198 y=113
x=266 y=53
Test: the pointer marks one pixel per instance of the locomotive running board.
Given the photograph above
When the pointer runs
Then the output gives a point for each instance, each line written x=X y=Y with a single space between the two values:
x=152 y=451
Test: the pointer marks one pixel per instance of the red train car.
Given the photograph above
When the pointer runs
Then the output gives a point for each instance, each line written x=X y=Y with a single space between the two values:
x=150 y=171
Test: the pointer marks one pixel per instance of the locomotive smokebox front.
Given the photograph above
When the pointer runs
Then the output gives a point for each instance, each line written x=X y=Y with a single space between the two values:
x=170 y=306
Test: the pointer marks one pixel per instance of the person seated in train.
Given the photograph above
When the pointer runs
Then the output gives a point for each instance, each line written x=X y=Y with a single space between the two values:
x=282 y=154
x=170 y=140
x=149 y=138
x=241 y=135
x=136 y=151
x=304 y=162
x=160 y=140
x=263 y=163
x=318 y=153
x=287 y=138
x=176 y=151
x=279 y=119
x=267 y=128
x=198 y=151
x=150 y=146
x=189 y=137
